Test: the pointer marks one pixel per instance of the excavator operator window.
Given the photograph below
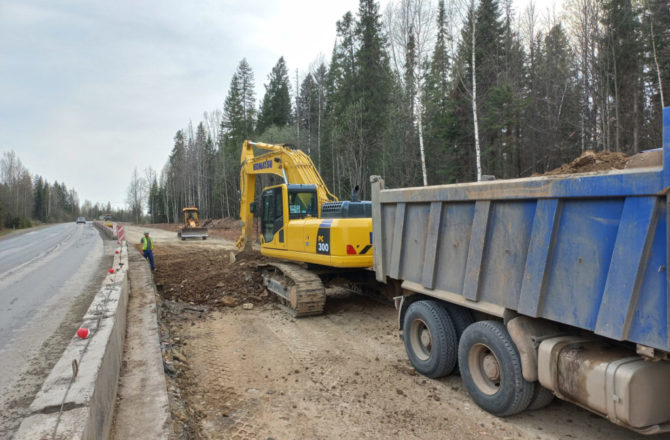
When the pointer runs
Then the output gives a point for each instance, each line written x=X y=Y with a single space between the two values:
x=302 y=204
x=272 y=216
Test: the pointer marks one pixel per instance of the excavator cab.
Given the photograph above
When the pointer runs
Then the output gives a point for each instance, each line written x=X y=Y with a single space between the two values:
x=301 y=202
x=272 y=214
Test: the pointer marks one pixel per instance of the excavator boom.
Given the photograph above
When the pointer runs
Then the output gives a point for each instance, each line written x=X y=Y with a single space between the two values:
x=290 y=164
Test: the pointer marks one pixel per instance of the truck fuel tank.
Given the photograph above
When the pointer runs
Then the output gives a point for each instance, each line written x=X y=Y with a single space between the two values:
x=614 y=382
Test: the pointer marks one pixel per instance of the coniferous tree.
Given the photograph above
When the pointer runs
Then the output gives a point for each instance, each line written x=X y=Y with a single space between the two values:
x=236 y=126
x=621 y=55
x=461 y=103
x=176 y=181
x=320 y=76
x=276 y=106
x=339 y=97
x=411 y=167
x=372 y=93
x=437 y=116
x=555 y=99
x=655 y=24
x=307 y=111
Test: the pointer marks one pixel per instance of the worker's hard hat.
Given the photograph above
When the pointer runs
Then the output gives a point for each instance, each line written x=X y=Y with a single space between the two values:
x=146 y=232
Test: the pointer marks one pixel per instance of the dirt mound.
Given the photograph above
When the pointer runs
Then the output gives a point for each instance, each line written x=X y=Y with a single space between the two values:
x=209 y=277
x=224 y=223
x=228 y=228
x=592 y=161
x=172 y=227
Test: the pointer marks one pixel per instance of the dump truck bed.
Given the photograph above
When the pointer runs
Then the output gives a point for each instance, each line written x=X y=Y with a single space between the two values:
x=588 y=250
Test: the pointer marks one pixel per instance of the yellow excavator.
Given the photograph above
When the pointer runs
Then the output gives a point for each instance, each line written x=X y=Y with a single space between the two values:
x=303 y=222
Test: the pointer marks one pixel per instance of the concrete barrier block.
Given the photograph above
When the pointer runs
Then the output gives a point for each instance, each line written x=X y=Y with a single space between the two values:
x=88 y=404
x=41 y=426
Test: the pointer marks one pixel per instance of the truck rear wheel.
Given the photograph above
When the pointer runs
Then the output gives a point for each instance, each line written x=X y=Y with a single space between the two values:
x=491 y=369
x=430 y=339
x=461 y=318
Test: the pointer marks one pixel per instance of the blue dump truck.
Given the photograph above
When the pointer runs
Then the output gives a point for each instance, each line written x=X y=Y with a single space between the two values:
x=537 y=287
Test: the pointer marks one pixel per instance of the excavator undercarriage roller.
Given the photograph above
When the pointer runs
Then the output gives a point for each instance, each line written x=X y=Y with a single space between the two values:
x=300 y=291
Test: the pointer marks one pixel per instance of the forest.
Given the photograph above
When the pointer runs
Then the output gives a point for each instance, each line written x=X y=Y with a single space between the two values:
x=430 y=92
x=25 y=198
x=424 y=92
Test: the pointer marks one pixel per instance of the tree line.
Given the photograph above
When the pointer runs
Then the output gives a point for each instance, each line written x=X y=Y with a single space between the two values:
x=25 y=198
x=432 y=92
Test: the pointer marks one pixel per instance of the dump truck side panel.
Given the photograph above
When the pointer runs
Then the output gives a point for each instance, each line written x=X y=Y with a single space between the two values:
x=597 y=263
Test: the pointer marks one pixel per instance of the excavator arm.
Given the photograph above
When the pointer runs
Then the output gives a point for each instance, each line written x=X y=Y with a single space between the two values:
x=293 y=165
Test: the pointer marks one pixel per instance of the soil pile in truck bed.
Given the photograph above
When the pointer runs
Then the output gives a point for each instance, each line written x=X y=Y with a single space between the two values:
x=592 y=161
x=607 y=160
x=208 y=277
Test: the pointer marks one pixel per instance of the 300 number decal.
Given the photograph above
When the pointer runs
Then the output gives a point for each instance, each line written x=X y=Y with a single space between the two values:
x=322 y=247
x=323 y=241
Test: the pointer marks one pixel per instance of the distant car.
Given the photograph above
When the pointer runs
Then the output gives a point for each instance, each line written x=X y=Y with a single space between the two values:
x=81 y=220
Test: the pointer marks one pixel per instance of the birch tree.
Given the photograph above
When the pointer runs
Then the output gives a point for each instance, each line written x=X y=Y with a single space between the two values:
x=411 y=27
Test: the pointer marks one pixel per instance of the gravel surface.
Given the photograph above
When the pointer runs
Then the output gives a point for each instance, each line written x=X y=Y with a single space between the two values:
x=249 y=371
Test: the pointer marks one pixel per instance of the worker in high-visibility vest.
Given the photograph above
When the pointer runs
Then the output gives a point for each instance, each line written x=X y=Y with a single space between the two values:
x=148 y=249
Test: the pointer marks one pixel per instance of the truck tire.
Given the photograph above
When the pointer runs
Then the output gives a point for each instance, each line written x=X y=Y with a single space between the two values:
x=461 y=318
x=491 y=369
x=430 y=339
x=542 y=397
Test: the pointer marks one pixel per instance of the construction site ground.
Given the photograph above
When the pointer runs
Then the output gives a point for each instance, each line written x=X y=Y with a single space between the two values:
x=239 y=367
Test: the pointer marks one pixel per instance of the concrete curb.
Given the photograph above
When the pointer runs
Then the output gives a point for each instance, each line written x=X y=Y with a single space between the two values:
x=86 y=393
x=143 y=406
x=104 y=229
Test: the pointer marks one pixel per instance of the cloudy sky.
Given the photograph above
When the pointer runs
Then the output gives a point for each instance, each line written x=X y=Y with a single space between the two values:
x=91 y=89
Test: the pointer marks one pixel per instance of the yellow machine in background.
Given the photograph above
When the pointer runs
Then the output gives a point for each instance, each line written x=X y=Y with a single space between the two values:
x=301 y=221
x=191 y=227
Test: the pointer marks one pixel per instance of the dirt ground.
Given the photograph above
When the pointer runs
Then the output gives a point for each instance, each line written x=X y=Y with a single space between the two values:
x=227 y=228
x=238 y=367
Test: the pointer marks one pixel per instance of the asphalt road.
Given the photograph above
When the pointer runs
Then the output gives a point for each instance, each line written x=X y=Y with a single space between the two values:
x=48 y=277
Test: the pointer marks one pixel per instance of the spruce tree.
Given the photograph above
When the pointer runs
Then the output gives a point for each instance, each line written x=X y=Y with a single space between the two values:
x=308 y=105
x=373 y=83
x=437 y=118
x=236 y=126
x=339 y=90
x=621 y=54
x=276 y=106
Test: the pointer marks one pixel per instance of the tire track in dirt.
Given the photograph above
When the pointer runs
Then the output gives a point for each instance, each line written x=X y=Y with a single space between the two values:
x=234 y=417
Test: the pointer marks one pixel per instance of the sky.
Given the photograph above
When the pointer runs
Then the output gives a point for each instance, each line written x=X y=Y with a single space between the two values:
x=89 y=90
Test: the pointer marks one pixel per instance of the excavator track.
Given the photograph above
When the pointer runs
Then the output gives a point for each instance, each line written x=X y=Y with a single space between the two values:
x=300 y=291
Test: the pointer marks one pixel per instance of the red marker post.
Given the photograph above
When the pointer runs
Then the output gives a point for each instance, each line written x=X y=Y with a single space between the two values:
x=111 y=270
x=83 y=333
